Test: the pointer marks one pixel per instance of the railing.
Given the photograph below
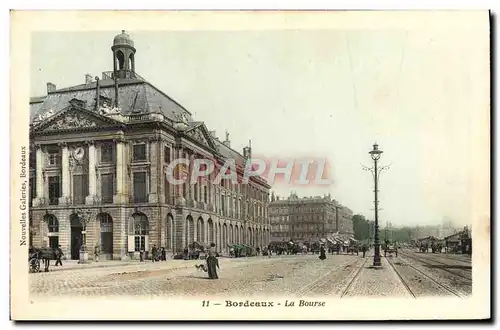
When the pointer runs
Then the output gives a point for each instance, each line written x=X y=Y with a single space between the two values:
x=140 y=117
x=121 y=74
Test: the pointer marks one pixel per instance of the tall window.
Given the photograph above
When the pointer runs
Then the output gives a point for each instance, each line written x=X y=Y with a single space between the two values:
x=139 y=152
x=107 y=153
x=32 y=159
x=205 y=194
x=53 y=224
x=32 y=191
x=140 y=193
x=80 y=188
x=107 y=183
x=167 y=154
x=106 y=233
x=54 y=190
x=139 y=228
x=53 y=155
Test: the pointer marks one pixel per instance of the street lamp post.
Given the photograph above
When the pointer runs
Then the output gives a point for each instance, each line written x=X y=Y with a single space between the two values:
x=375 y=154
x=84 y=217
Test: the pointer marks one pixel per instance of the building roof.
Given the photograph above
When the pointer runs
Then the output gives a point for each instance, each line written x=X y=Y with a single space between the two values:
x=134 y=96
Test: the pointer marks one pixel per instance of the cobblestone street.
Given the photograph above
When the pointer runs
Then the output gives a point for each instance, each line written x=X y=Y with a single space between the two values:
x=299 y=276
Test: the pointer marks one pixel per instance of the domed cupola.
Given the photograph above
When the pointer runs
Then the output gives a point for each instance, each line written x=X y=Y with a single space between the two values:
x=123 y=56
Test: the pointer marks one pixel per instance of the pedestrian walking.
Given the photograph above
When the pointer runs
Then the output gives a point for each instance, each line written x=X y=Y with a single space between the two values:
x=163 y=254
x=154 y=252
x=364 y=250
x=212 y=262
x=59 y=253
x=322 y=253
x=97 y=252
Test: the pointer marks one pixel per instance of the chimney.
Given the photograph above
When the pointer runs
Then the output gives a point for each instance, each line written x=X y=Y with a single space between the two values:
x=88 y=79
x=51 y=88
x=213 y=134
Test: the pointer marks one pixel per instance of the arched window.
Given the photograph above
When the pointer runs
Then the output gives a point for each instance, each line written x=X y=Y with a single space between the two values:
x=53 y=224
x=138 y=232
x=121 y=60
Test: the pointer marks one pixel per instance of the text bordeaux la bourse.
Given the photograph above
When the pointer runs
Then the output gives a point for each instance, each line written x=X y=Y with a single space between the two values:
x=103 y=147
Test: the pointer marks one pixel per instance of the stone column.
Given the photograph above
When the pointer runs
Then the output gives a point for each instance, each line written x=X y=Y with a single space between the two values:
x=39 y=199
x=65 y=177
x=90 y=199
x=178 y=188
x=120 y=197
x=153 y=159
x=191 y=185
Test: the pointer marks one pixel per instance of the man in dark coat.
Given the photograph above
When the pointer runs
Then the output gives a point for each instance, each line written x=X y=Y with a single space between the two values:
x=154 y=252
x=59 y=255
x=163 y=254
x=212 y=263
x=363 y=248
x=322 y=253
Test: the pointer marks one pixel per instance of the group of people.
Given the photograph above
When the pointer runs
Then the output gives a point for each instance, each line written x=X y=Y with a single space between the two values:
x=322 y=251
x=158 y=254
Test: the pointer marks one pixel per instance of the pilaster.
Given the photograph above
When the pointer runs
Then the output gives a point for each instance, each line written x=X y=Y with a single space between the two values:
x=90 y=199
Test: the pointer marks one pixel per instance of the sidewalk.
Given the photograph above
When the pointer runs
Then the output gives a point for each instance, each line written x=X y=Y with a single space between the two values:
x=73 y=264
x=175 y=263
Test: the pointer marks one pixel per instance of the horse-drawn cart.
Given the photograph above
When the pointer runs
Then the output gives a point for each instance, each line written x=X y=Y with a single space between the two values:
x=390 y=248
x=34 y=263
x=40 y=254
x=353 y=246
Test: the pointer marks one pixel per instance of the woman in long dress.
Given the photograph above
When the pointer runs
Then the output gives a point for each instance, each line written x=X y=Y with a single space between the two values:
x=212 y=262
x=322 y=254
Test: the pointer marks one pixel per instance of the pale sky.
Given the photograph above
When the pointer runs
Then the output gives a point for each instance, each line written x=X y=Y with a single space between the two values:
x=324 y=93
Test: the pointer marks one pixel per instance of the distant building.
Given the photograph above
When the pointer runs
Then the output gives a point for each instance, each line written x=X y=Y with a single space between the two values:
x=308 y=218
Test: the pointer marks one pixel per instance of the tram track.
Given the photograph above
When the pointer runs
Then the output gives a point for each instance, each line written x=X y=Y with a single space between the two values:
x=351 y=282
x=312 y=286
x=448 y=257
x=437 y=266
x=441 y=285
x=401 y=279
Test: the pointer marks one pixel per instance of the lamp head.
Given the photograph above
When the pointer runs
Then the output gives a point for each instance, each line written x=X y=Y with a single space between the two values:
x=376 y=152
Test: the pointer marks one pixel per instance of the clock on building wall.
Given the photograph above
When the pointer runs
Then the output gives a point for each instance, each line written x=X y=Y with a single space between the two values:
x=78 y=153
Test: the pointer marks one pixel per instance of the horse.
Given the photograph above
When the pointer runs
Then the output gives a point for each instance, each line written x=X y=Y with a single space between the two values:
x=45 y=254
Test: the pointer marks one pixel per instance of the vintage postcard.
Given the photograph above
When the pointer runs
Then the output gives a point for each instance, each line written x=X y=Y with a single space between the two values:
x=250 y=165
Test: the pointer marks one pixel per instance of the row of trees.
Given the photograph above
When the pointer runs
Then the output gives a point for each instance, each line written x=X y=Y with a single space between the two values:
x=364 y=230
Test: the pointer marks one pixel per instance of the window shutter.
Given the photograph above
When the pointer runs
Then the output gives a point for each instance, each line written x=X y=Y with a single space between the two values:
x=131 y=229
x=131 y=243
x=146 y=243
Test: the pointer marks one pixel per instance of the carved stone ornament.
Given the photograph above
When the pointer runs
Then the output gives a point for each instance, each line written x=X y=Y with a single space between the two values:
x=105 y=109
x=197 y=135
x=181 y=117
x=72 y=121
x=43 y=116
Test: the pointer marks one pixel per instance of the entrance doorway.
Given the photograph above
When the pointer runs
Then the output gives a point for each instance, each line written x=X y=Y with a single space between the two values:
x=76 y=237
x=53 y=242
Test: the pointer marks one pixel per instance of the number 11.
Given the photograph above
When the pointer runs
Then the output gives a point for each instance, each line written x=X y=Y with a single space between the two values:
x=205 y=303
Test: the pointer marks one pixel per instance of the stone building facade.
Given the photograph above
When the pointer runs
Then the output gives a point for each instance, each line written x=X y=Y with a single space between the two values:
x=308 y=219
x=99 y=158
